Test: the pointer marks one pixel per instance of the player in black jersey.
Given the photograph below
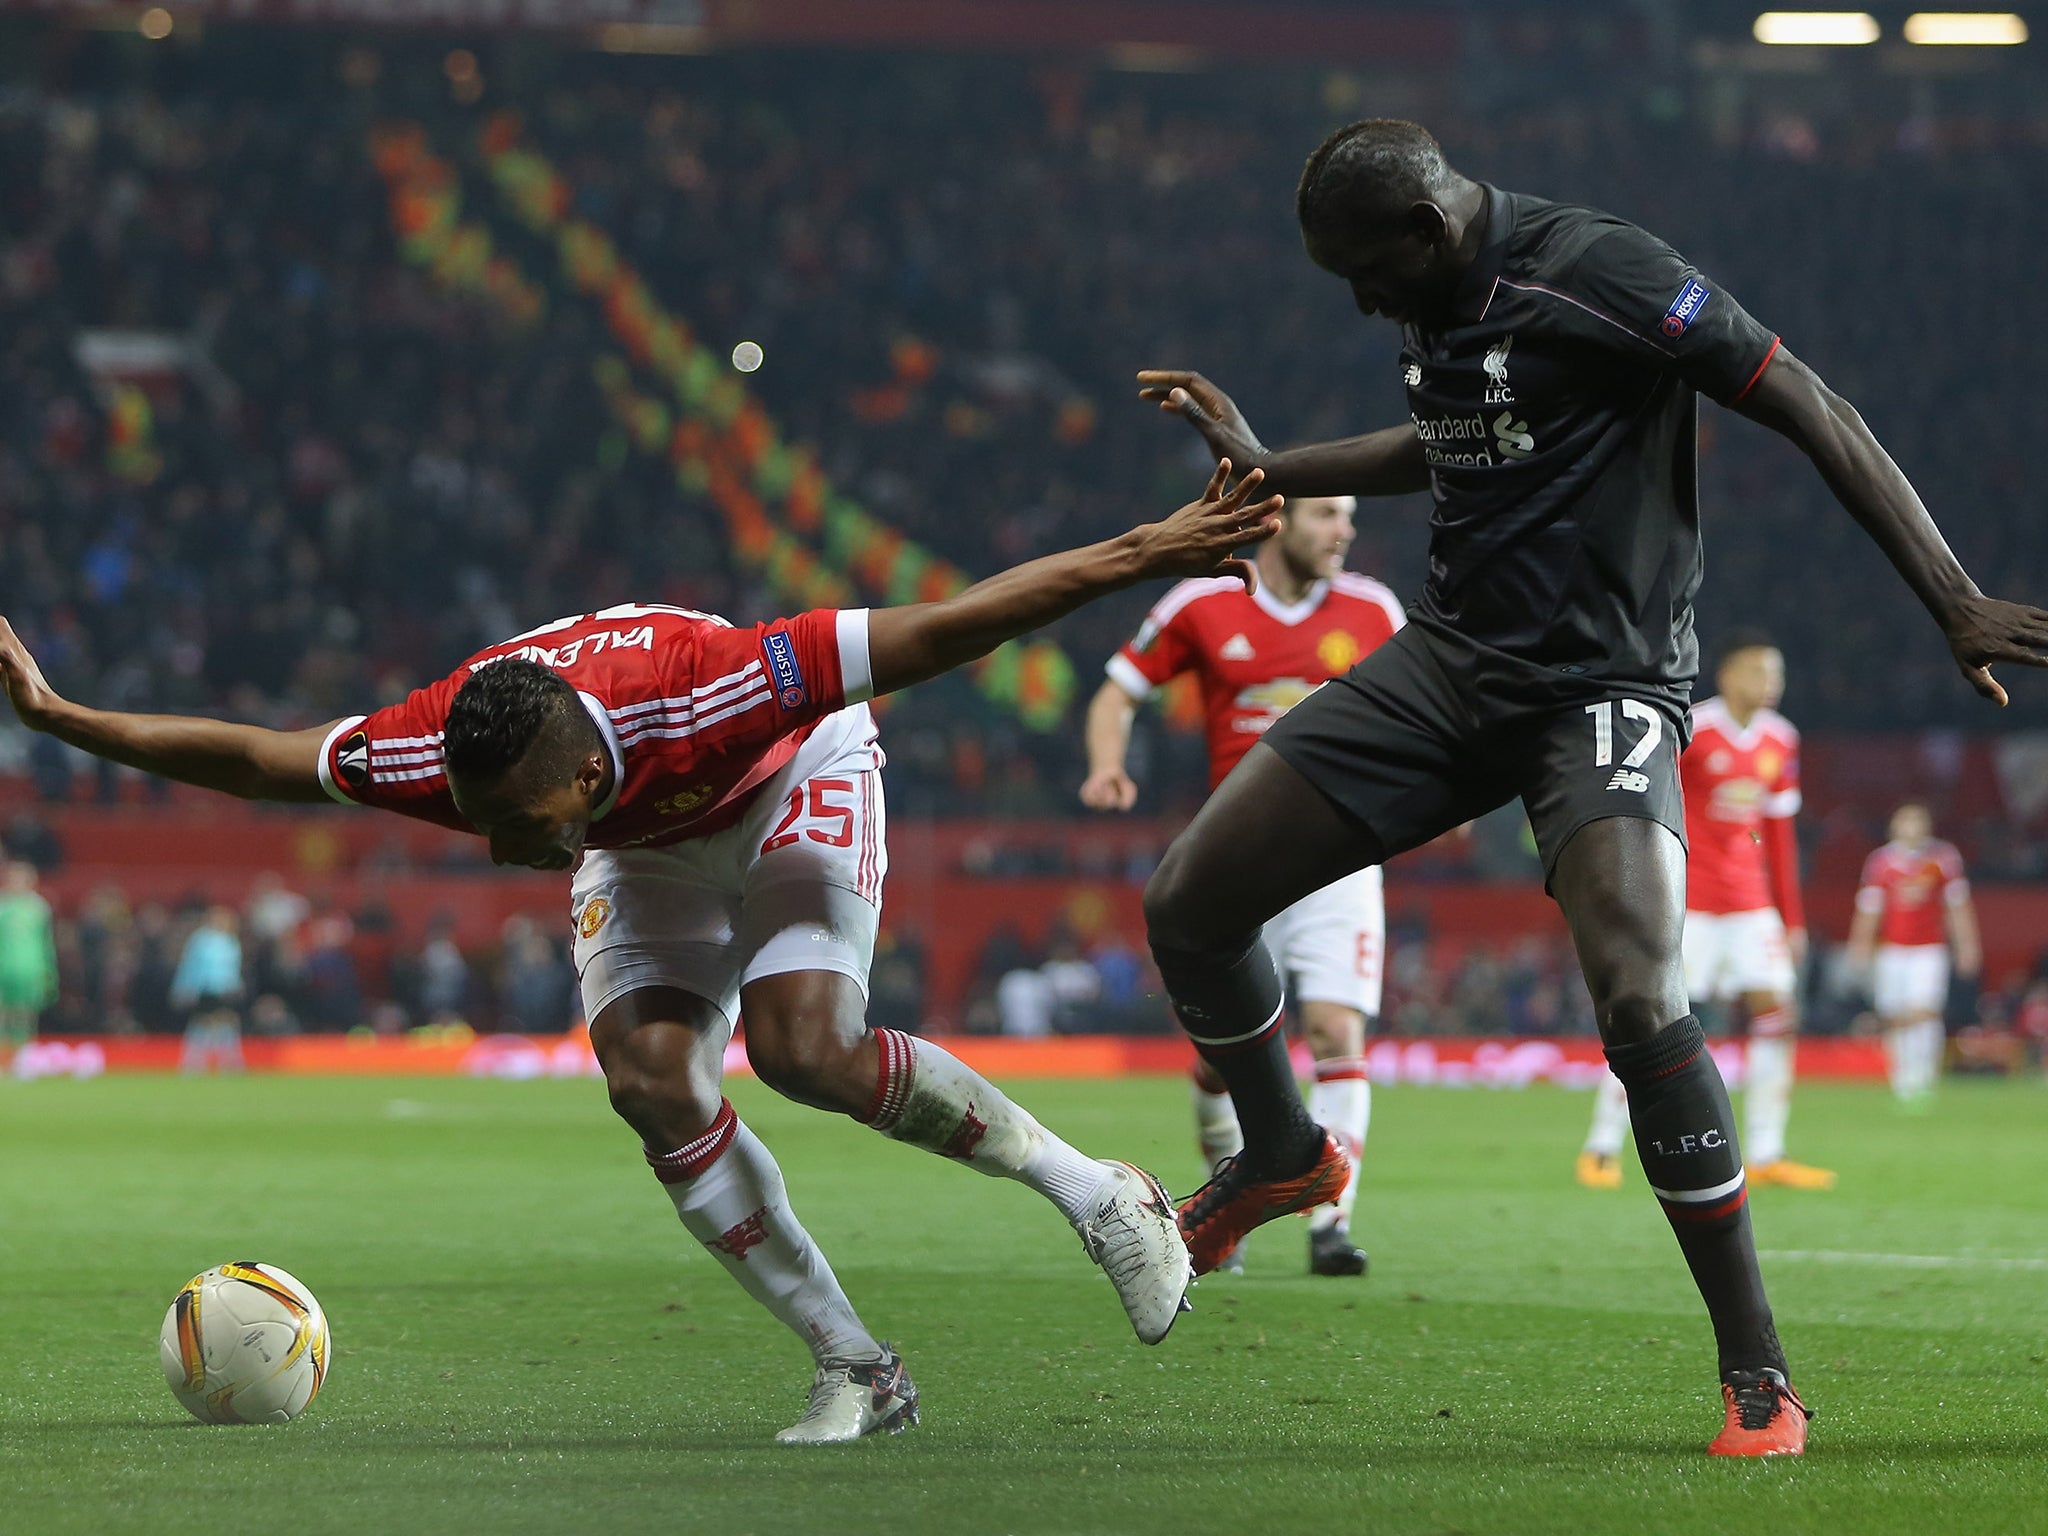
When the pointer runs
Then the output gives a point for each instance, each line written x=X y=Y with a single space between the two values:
x=1553 y=357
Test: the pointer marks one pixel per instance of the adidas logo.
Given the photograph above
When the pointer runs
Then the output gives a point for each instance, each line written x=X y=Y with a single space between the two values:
x=1236 y=648
x=1629 y=779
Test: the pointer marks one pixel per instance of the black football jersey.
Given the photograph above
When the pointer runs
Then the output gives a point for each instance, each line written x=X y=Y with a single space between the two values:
x=1558 y=412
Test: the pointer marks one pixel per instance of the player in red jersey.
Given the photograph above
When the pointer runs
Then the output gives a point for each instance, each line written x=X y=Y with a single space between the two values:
x=715 y=790
x=1912 y=908
x=1745 y=926
x=1257 y=655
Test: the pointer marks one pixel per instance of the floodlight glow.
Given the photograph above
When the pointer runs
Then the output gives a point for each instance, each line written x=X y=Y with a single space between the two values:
x=155 y=23
x=747 y=356
x=1816 y=29
x=1980 y=29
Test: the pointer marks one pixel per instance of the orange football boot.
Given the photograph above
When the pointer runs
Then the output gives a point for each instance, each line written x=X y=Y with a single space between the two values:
x=1765 y=1416
x=1216 y=1217
x=1791 y=1175
x=1598 y=1170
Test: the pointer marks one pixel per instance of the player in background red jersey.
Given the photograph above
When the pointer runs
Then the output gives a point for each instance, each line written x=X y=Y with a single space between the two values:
x=1257 y=654
x=1912 y=910
x=1745 y=925
x=716 y=791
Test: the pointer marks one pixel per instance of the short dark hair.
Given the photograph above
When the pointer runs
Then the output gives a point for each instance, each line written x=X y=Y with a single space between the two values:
x=1748 y=638
x=508 y=709
x=1368 y=174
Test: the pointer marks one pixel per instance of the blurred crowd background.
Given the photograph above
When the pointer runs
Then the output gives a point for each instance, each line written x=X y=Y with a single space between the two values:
x=255 y=461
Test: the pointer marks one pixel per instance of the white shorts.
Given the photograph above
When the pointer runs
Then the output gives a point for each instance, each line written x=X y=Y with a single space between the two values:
x=1331 y=946
x=1910 y=979
x=1730 y=953
x=796 y=885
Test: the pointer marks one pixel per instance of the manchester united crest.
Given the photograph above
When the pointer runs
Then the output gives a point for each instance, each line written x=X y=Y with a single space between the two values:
x=1339 y=651
x=595 y=914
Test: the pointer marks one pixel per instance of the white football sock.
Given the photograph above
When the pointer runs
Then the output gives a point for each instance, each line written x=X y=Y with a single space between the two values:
x=1610 y=1118
x=1216 y=1127
x=1933 y=1046
x=1896 y=1064
x=930 y=1098
x=731 y=1198
x=1341 y=1103
x=1766 y=1097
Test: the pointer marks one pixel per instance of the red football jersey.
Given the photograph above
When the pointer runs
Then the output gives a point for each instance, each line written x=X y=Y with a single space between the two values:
x=1741 y=787
x=695 y=714
x=1913 y=888
x=1256 y=657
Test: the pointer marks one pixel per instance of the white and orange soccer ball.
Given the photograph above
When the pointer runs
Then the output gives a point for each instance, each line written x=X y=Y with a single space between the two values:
x=244 y=1343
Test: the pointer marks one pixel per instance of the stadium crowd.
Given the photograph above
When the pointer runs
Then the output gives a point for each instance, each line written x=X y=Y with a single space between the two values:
x=344 y=479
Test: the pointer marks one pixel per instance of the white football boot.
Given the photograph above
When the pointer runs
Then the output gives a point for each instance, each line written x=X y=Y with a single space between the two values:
x=852 y=1399
x=1130 y=1230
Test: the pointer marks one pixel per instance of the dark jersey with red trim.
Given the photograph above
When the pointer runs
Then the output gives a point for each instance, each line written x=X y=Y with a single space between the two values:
x=1558 y=412
x=694 y=713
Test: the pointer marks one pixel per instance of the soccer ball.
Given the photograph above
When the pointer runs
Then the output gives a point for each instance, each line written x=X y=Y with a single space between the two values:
x=244 y=1344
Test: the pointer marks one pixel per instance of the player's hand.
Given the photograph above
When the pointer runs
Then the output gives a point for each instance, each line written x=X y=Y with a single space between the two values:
x=1984 y=630
x=32 y=697
x=1205 y=408
x=1109 y=789
x=1198 y=539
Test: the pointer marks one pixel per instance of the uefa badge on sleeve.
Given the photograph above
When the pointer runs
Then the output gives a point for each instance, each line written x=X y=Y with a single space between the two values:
x=782 y=668
x=1685 y=309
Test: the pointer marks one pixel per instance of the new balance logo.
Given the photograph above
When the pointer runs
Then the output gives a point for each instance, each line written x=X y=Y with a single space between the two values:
x=1629 y=779
x=1236 y=648
x=742 y=1235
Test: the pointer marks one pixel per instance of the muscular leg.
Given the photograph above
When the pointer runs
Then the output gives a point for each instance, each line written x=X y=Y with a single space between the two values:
x=1621 y=883
x=1264 y=840
x=662 y=1051
x=1341 y=1100
x=808 y=1039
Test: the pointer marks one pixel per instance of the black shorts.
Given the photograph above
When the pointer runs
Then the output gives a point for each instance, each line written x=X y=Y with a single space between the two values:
x=1433 y=729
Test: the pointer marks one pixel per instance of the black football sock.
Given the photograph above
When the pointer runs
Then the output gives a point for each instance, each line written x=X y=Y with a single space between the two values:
x=1228 y=1000
x=1685 y=1136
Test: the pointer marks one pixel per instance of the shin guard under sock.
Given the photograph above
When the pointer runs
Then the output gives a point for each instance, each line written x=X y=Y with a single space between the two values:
x=928 y=1097
x=1685 y=1136
x=730 y=1195
x=1229 y=1002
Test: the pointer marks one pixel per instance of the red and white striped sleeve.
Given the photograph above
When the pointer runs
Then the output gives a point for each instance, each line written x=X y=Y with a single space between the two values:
x=1165 y=644
x=392 y=760
x=758 y=685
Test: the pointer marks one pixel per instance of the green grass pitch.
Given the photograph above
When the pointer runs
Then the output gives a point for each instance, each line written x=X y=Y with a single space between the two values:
x=525 y=1341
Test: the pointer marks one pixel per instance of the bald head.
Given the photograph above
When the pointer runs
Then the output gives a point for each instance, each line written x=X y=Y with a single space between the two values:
x=1364 y=179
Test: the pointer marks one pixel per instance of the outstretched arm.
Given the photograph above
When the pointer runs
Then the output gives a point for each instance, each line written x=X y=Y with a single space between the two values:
x=1790 y=399
x=1384 y=463
x=910 y=644
x=242 y=760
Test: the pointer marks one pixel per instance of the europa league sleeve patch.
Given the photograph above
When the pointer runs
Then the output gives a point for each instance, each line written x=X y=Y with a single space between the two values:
x=352 y=760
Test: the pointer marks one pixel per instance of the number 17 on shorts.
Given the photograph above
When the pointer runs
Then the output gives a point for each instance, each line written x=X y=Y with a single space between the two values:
x=1628 y=775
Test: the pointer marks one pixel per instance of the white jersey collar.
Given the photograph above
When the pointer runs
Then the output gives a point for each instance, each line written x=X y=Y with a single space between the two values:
x=1292 y=614
x=613 y=750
